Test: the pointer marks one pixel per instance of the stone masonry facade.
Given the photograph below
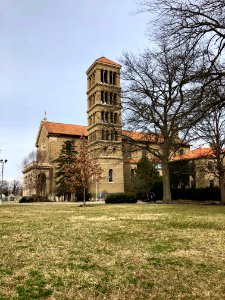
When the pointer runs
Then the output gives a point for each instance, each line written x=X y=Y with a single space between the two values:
x=106 y=138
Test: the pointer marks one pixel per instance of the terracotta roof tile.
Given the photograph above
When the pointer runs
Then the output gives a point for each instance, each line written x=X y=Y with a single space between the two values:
x=196 y=153
x=107 y=61
x=141 y=136
x=79 y=130
x=103 y=60
x=71 y=129
x=67 y=129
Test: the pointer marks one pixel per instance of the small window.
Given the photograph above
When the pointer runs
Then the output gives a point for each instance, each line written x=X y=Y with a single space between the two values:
x=114 y=78
x=115 y=99
x=110 y=77
x=107 y=135
x=105 y=78
x=110 y=175
x=210 y=165
x=158 y=166
x=103 y=135
x=102 y=97
x=181 y=151
x=132 y=173
x=106 y=97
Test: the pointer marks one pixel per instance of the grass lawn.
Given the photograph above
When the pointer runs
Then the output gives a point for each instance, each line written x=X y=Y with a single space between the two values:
x=139 y=251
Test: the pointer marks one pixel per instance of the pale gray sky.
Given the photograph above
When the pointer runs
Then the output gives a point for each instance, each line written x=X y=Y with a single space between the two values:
x=46 y=47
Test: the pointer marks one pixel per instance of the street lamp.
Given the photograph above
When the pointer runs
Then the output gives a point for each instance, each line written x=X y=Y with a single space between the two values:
x=2 y=161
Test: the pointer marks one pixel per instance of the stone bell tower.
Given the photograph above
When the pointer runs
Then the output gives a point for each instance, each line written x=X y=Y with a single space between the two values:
x=105 y=124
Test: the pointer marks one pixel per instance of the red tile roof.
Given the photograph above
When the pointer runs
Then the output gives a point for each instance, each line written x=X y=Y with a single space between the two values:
x=79 y=130
x=82 y=130
x=67 y=129
x=142 y=136
x=105 y=60
x=196 y=153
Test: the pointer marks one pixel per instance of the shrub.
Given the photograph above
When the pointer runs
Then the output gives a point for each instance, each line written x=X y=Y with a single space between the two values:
x=120 y=198
x=34 y=198
x=27 y=199
x=208 y=193
x=157 y=188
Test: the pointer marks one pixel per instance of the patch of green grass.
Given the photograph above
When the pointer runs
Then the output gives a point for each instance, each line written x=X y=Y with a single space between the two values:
x=156 y=261
x=112 y=252
x=34 y=287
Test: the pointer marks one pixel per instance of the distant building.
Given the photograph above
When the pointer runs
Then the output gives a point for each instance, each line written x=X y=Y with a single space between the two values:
x=200 y=167
x=116 y=155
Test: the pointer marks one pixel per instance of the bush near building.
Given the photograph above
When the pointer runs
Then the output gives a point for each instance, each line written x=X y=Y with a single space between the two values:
x=201 y=194
x=120 y=198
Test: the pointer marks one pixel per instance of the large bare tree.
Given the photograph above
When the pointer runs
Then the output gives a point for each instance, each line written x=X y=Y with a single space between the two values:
x=182 y=21
x=201 y=24
x=159 y=102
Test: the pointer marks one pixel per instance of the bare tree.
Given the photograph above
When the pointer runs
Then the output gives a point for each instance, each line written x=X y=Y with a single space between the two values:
x=16 y=187
x=201 y=24
x=195 y=22
x=5 y=188
x=211 y=130
x=36 y=181
x=82 y=170
x=160 y=103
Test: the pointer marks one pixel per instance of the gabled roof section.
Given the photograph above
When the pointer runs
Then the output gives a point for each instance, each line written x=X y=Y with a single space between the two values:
x=62 y=129
x=66 y=129
x=195 y=154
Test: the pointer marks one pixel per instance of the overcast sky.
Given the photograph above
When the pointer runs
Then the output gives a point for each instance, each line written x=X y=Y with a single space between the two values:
x=46 y=47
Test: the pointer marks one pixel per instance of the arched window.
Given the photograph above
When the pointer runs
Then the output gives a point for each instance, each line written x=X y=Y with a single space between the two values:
x=110 y=175
x=106 y=135
x=115 y=118
x=115 y=98
x=105 y=76
x=103 y=134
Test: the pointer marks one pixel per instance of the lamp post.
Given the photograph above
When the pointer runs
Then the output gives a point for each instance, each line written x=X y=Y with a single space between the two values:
x=2 y=161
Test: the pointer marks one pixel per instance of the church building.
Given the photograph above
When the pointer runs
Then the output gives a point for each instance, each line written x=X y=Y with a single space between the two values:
x=106 y=138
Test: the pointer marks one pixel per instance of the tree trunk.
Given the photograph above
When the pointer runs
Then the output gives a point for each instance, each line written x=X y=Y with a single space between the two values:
x=166 y=183
x=222 y=187
x=84 y=196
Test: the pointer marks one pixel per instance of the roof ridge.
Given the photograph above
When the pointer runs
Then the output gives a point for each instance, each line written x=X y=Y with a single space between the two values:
x=66 y=123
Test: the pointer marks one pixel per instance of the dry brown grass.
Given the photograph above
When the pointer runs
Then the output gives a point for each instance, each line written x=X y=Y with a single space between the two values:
x=138 y=251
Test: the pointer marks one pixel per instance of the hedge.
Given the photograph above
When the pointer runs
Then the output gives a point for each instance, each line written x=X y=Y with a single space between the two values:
x=120 y=198
x=208 y=193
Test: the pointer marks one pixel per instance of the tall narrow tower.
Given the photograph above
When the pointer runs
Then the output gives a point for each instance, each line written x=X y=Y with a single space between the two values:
x=105 y=124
